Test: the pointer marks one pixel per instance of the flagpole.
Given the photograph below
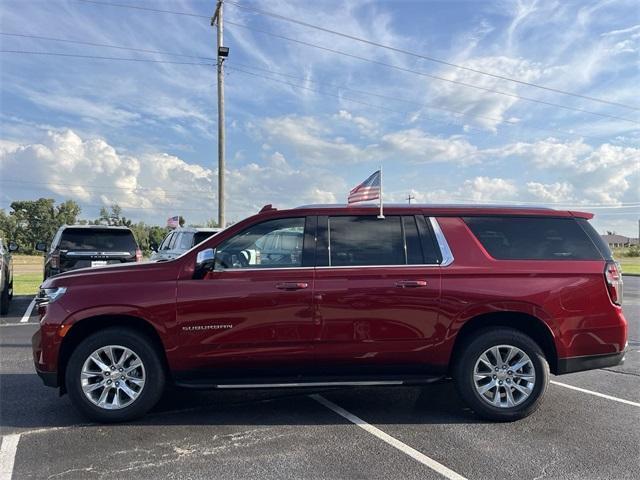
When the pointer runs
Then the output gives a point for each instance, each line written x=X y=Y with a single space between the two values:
x=381 y=214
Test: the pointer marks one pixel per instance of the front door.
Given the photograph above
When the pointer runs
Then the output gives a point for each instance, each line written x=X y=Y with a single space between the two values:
x=377 y=294
x=253 y=314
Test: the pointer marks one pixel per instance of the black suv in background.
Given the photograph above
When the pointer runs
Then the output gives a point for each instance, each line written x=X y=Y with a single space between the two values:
x=83 y=246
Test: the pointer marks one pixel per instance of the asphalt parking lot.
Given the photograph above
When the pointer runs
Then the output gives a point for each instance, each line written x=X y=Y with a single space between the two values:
x=592 y=432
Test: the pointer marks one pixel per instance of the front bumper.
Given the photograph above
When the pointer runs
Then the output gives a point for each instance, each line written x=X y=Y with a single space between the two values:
x=41 y=342
x=589 y=362
x=50 y=379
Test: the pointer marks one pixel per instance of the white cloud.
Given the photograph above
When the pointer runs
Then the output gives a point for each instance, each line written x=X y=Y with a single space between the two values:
x=153 y=185
x=415 y=145
x=483 y=109
x=487 y=189
x=557 y=192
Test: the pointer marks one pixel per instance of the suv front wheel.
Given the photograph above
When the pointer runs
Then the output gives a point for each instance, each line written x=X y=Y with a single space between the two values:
x=502 y=374
x=115 y=375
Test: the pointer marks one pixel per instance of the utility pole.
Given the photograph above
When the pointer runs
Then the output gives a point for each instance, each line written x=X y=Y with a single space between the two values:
x=409 y=198
x=223 y=53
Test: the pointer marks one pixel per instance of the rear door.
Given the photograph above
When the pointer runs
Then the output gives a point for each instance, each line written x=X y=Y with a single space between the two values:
x=377 y=293
x=93 y=247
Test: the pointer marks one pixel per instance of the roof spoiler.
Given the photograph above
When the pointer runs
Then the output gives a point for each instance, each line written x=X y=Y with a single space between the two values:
x=585 y=215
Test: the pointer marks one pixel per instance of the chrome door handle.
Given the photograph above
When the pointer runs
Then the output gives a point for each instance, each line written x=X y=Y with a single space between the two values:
x=411 y=283
x=292 y=285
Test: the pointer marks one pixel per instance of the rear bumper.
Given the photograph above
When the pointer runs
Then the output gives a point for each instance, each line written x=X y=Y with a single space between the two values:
x=589 y=362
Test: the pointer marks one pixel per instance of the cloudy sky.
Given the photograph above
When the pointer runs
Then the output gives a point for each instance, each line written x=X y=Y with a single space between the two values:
x=310 y=114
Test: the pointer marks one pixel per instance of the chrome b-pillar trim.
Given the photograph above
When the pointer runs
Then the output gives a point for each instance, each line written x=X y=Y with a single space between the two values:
x=447 y=255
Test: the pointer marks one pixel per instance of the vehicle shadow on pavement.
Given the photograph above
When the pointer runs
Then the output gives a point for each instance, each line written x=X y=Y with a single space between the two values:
x=26 y=403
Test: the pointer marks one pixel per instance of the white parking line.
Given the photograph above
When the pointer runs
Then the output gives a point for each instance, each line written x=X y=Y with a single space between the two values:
x=394 y=442
x=8 y=455
x=597 y=394
x=27 y=313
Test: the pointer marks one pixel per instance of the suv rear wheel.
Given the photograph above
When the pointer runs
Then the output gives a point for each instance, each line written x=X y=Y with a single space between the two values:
x=115 y=375
x=502 y=374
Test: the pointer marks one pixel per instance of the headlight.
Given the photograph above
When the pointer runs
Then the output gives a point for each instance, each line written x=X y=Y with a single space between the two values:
x=50 y=295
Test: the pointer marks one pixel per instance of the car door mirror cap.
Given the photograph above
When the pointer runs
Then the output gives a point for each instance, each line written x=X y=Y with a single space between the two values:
x=13 y=247
x=206 y=261
x=41 y=246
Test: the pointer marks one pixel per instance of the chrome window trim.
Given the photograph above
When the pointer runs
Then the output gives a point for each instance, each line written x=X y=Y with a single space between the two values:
x=221 y=270
x=77 y=253
x=415 y=265
x=447 y=254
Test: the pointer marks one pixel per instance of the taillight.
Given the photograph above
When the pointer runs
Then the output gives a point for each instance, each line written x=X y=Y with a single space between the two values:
x=613 y=279
x=138 y=255
x=55 y=260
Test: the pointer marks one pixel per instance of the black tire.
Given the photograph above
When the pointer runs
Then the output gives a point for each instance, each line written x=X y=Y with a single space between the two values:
x=4 y=300
x=470 y=352
x=143 y=348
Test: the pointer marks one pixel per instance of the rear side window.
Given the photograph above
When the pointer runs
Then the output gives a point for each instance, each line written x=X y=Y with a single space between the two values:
x=600 y=244
x=533 y=238
x=98 y=240
x=367 y=240
x=200 y=237
x=186 y=241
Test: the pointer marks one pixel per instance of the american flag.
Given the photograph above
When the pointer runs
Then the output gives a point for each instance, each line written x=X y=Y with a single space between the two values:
x=173 y=222
x=367 y=190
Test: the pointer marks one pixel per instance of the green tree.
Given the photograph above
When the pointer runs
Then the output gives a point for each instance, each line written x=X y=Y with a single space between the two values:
x=8 y=226
x=38 y=220
x=211 y=223
x=113 y=217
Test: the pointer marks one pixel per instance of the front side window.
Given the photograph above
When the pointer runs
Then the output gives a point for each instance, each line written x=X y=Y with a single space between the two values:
x=271 y=244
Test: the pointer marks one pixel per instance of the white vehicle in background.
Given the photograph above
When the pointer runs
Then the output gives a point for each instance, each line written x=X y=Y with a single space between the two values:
x=179 y=241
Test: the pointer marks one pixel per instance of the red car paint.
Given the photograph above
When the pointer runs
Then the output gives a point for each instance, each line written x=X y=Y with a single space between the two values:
x=338 y=316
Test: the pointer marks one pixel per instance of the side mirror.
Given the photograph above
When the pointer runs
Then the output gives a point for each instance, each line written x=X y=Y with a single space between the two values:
x=41 y=246
x=153 y=246
x=205 y=261
x=13 y=247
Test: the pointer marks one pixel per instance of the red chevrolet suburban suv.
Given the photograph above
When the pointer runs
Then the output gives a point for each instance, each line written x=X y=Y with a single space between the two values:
x=495 y=297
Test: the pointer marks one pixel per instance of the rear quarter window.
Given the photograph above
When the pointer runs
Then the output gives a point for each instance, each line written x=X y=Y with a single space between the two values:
x=533 y=238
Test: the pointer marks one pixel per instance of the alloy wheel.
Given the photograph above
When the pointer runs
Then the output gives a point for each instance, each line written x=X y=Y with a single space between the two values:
x=504 y=376
x=112 y=377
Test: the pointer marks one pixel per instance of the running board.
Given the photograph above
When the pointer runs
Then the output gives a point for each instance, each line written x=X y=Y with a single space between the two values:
x=310 y=384
x=297 y=383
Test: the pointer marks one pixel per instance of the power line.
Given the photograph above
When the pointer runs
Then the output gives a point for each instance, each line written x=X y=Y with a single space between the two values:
x=425 y=74
x=411 y=102
x=96 y=57
x=381 y=107
x=78 y=42
x=425 y=57
x=429 y=75
x=136 y=7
